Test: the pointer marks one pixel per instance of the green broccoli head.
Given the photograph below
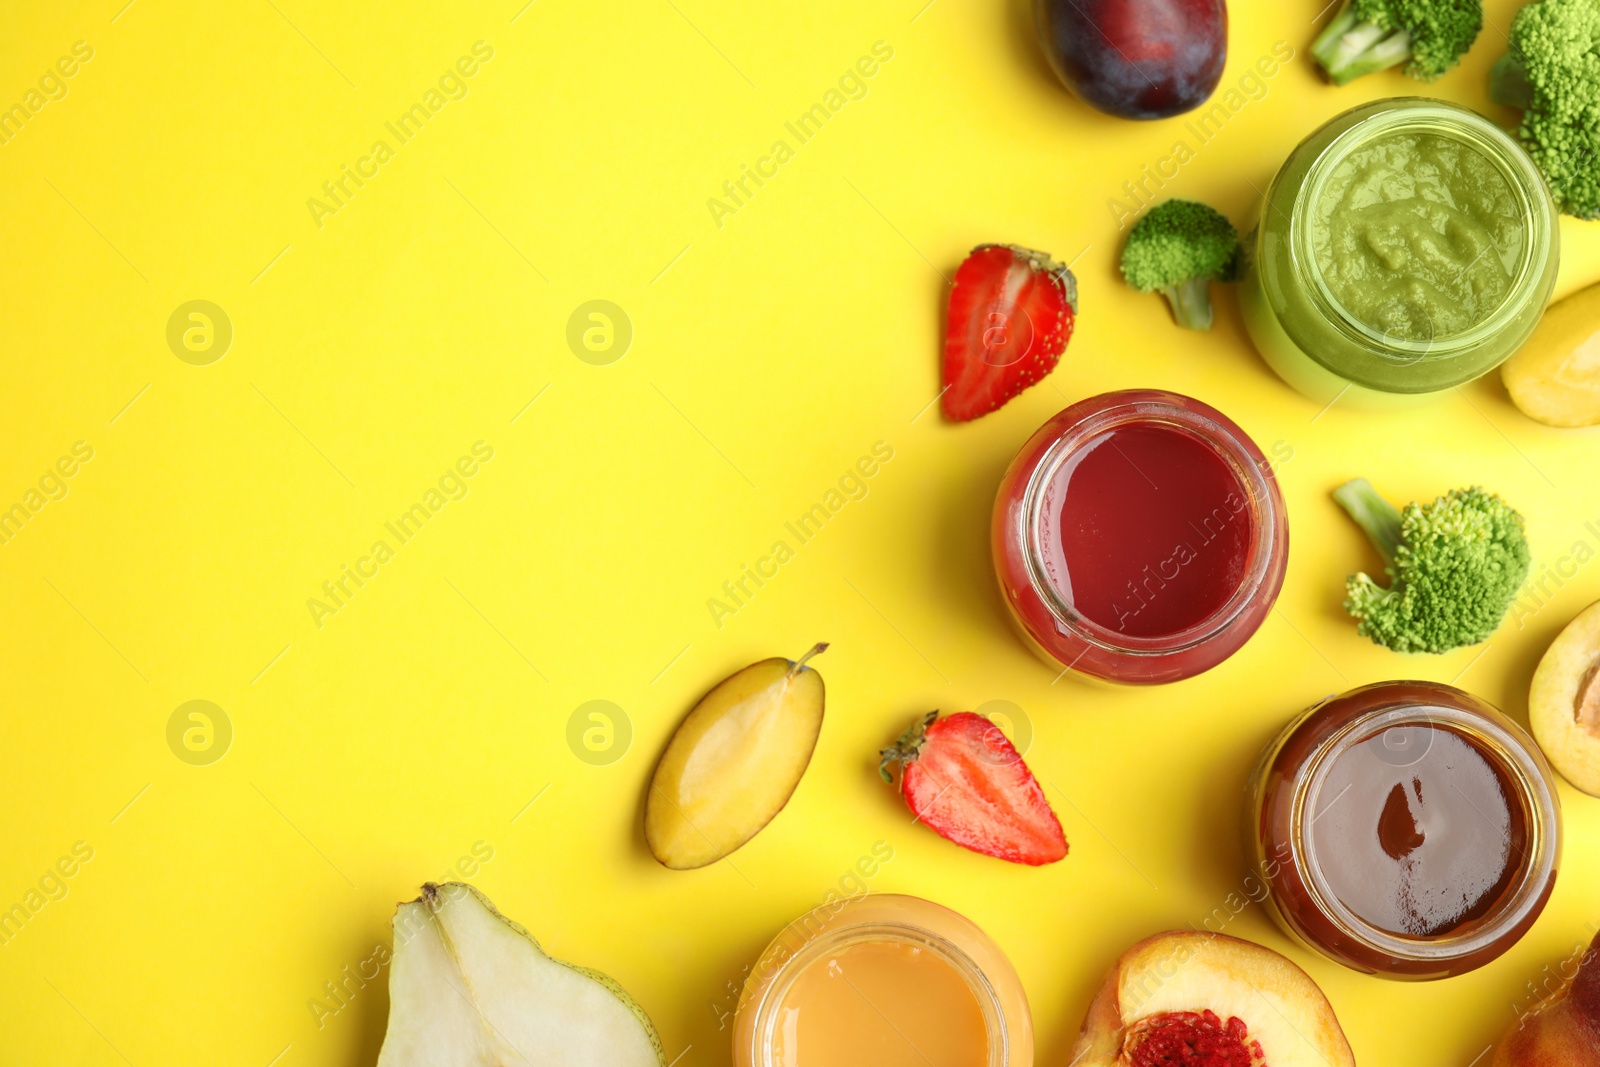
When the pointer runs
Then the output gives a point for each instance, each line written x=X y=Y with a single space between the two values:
x=1177 y=249
x=1428 y=36
x=1552 y=73
x=1454 y=567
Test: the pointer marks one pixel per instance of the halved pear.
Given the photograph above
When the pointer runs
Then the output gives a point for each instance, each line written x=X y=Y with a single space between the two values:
x=470 y=988
x=1183 y=989
x=1564 y=701
x=734 y=761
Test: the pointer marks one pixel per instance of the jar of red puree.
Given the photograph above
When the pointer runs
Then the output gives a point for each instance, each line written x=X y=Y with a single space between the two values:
x=1405 y=829
x=1139 y=537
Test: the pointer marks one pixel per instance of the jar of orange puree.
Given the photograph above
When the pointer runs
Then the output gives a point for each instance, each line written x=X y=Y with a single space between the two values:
x=886 y=981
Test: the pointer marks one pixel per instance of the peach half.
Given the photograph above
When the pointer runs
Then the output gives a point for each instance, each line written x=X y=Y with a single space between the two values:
x=1209 y=1000
x=1564 y=701
x=1564 y=1032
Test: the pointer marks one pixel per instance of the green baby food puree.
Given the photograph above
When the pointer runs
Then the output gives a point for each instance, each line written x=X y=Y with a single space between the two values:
x=1405 y=247
x=1418 y=236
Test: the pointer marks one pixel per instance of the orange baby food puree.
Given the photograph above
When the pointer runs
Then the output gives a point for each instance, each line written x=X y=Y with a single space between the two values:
x=883 y=1003
x=882 y=980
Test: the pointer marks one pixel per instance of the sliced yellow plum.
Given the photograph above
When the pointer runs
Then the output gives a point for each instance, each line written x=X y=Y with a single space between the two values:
x=1564 y=701
x=734 y=761
x=1555 y=377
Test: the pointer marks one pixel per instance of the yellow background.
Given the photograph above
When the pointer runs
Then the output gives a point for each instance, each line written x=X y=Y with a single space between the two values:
x=768 y=355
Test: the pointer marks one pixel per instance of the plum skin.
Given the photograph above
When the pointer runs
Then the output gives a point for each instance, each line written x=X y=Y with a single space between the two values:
x=1137 y=59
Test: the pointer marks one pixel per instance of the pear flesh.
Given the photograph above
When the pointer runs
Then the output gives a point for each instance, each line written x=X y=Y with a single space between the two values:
x=734 y=761
x=470 y=988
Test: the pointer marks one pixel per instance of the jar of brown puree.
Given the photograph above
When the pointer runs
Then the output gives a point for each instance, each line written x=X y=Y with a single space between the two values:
x=1405 y=829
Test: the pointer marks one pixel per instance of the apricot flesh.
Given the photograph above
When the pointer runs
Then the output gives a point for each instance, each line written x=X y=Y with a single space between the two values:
x=1564 y=701
x=1211 y=1000
x=1555 y=377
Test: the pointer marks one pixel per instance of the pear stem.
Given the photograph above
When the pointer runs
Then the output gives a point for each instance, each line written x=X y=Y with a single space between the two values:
x=800 y=664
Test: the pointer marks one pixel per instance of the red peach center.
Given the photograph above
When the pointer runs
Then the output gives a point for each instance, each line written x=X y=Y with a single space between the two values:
x=1192 y=1039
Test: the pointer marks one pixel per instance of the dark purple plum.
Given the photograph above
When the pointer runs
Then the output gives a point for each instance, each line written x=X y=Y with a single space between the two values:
x=1138 y=59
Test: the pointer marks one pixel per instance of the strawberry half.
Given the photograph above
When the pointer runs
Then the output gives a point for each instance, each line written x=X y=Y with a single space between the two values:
x=1011 y=316
x=962 y=777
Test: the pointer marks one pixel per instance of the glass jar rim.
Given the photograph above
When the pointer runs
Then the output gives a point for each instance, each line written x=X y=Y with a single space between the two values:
x=838 y=932
x=1461 y=124
x=1512 y=754
x=1212 y=429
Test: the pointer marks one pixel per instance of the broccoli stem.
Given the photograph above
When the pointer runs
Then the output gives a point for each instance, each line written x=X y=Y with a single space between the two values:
x=1378 y=519
x=1509 y=84
x=1349 y=49
x=1191 y=303
x=1342 y=23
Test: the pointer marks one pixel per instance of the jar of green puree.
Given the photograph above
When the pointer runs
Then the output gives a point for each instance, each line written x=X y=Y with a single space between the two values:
x=1406 y=247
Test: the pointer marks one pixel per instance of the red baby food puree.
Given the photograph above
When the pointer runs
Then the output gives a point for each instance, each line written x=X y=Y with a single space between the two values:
x=1139 y=537
x=1146 y=530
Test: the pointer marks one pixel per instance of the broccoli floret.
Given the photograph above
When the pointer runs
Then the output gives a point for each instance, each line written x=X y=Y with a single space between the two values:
x=1428 y=36
x=1552 y=73
x=1454 y=567
x=1178 y=248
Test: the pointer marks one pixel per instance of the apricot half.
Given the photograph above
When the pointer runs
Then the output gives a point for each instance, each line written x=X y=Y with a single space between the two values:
x=1564 y=701
x=1555 y=377
x=1212 y=1001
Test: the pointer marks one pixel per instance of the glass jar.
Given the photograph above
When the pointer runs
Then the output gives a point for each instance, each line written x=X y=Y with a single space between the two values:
x=1139 y=537
x=1404 y=829
x=886 y=980
x=1351 y=289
